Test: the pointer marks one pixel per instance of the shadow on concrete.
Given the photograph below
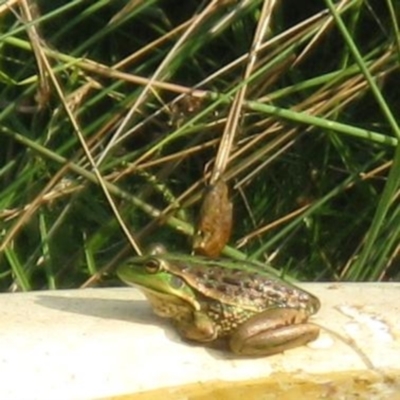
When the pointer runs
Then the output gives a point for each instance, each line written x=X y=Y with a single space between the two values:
x=135 y=310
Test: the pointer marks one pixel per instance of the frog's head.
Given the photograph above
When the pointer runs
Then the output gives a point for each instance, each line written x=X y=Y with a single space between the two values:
x=155 y=276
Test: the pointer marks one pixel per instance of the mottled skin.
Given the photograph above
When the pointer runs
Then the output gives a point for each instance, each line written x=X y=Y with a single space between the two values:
x=255 y=312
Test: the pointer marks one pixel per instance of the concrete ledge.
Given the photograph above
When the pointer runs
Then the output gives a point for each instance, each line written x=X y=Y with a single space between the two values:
x=101 y=343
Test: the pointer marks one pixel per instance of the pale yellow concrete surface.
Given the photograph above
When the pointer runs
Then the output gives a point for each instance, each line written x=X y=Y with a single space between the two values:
x=97 y=343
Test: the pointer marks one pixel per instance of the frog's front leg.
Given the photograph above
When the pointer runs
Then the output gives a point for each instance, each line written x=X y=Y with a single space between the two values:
x=273 y=331
x=196 y=326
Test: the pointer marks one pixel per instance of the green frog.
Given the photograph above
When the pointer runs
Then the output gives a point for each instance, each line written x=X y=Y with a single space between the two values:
x=224 y=301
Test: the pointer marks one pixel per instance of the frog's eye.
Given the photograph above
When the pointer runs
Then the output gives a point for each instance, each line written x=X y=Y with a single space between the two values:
x=153 y=266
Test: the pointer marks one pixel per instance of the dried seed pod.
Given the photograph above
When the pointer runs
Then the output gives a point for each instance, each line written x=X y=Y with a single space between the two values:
x=215 y=220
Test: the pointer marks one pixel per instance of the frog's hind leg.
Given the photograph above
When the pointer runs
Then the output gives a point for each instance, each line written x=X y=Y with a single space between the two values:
x=273 y=331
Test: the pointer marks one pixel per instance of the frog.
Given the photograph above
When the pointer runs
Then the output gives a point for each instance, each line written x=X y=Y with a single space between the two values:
x=225 y=302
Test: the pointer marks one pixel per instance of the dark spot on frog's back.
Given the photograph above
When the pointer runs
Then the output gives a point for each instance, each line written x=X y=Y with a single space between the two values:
x=235 y=276
x=232 y=280
x=208 y=285
x=253 y=296
x=199 y=273
x=274 y=297
x=222 y=288
x=282 y=289
x=248 y=284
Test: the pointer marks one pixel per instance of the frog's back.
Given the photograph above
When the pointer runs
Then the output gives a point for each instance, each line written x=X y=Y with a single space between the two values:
x=245 y=288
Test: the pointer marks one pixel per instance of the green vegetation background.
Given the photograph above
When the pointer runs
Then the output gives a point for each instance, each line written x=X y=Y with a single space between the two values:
x=314 y=170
